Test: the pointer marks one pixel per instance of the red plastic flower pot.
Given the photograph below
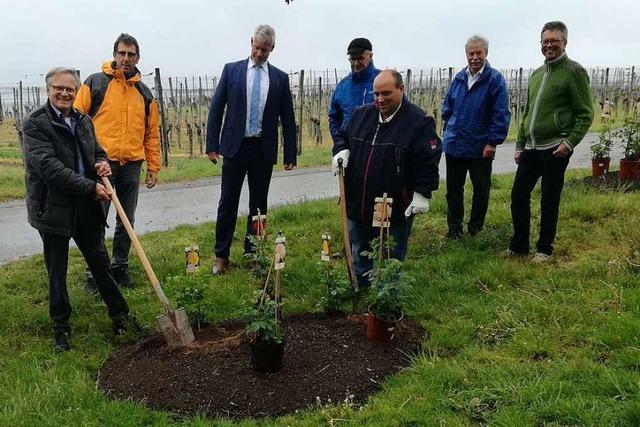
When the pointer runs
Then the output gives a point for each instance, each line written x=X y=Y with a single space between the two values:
x=629 y=169
x=380 y=330
x=600 y=167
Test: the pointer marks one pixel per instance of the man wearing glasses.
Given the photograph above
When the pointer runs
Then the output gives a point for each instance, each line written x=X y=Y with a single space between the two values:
x=354 y=90
x=557 y=116
x=63 y=168
x=129 y=139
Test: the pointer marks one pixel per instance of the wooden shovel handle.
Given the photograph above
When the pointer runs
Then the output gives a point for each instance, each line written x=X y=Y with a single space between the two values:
x=345 y=231
x=136 y=244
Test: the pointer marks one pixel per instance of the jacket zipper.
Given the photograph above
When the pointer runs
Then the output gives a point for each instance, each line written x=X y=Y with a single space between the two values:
x=366 y=173
x=536 y=104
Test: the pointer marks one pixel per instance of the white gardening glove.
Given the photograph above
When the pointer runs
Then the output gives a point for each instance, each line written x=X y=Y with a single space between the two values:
x=344 y=155
x=419 y=204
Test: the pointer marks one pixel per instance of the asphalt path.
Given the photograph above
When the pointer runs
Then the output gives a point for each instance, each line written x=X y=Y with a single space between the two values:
x=169 y=205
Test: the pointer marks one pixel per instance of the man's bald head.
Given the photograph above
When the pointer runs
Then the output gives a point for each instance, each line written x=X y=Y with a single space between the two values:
x=388 y=91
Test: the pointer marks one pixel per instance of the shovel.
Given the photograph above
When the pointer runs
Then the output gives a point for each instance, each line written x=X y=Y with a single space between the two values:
x=174 y=324
x=345 y=231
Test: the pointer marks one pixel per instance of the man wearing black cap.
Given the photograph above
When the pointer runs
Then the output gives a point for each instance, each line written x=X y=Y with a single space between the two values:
x=353 y=91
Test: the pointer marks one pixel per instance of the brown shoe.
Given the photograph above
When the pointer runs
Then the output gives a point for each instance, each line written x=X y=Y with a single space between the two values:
x=219 y=266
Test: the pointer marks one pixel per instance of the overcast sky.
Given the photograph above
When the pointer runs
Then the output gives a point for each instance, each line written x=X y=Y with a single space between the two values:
x=190 y=37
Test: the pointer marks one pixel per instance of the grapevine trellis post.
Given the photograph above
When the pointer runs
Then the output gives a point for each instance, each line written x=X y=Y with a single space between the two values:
x=301 y=100
x=164 y=135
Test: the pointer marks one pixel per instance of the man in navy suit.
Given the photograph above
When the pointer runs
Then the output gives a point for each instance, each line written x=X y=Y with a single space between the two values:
x=255 y=94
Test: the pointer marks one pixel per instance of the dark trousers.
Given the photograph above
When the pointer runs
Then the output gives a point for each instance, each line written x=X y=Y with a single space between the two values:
x=535 y=164
x=125 y=180
x=480 y=173
x=361 y=234
x=90 y=241
x=250 y=162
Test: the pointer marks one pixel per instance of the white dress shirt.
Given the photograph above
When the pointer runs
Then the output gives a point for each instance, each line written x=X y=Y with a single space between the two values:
x=264 y=91
x=472 y=79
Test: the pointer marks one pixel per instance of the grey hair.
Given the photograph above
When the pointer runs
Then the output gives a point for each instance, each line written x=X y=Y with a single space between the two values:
x=63 y=70
x=556 y=25
x=265 y=33
x=477 y=38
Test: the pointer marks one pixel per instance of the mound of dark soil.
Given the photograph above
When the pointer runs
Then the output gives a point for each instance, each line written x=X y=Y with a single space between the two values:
x=611 y=181
x=327 y=359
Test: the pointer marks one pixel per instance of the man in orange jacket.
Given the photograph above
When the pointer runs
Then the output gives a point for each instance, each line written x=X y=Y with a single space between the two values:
x=126 y=120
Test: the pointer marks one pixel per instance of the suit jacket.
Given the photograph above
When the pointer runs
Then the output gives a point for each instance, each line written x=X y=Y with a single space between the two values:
x=232 y=94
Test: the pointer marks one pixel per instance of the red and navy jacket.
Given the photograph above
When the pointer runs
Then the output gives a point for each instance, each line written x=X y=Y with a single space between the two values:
x=397 y=158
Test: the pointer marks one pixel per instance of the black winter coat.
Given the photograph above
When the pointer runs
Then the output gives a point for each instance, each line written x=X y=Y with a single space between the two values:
x=55 y=191
x=397 y=158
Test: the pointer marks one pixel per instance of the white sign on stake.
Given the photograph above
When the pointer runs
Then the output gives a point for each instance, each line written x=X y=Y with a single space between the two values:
x=280 y=252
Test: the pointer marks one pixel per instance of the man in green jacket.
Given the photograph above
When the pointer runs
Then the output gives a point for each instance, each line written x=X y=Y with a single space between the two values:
x=558 y=114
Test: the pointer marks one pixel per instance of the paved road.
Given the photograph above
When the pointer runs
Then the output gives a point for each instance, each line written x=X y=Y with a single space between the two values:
x=167 y=206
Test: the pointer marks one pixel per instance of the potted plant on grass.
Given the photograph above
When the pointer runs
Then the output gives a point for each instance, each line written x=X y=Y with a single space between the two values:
x=629 y=136
x=266 y=337
x=600 y=151
x=390 y=285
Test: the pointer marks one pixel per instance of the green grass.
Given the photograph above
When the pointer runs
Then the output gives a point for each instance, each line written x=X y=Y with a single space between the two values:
x=509 y=344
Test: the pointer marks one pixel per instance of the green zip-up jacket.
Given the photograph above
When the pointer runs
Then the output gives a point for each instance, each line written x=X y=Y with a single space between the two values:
x=559 y=106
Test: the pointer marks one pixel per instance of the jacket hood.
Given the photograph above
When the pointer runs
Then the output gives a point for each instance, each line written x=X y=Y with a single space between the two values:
x=107 y=68
x=364 y=74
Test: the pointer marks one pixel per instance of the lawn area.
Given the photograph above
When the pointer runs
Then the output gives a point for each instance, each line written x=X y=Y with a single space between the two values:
x=508 y=343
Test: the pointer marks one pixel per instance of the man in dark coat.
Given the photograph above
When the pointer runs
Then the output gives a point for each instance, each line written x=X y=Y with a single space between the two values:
x=252 y=96
x=390 y=147
x=63 y=166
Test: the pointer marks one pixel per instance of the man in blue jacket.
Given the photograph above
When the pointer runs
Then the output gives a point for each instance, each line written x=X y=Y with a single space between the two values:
x=476 y=116
x=255 y=95
x=354 y=90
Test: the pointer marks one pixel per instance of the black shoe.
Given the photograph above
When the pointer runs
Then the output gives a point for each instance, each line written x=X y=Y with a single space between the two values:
x=121 y=275
x=90 y=286
x=129 y=323
x=454 y=234
x=61 y=342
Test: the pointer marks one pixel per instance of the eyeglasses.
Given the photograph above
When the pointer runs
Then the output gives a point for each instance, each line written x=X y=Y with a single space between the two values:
x=550 y=42
x=61 y=89
x=123 y=53
x=359 y=59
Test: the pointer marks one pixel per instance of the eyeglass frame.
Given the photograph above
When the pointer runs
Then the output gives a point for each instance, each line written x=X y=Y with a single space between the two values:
x=551 y=42
x=124 y=53
x=62 y=89
x=361 y=59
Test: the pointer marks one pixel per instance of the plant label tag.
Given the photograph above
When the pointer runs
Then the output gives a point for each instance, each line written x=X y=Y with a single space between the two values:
x=280 y=252
x=259 y=224
x=382 y=211
x=325 y=252
x=192 y=258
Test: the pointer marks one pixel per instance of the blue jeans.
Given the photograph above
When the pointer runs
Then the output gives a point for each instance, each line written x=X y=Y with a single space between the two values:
x=362 y=234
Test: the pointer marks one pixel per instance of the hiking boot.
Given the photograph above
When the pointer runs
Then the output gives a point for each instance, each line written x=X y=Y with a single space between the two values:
x=511 y=254
x=540 y=258
x=219 y=266
x=90 y=286
x=61 y=342
x=121 y=275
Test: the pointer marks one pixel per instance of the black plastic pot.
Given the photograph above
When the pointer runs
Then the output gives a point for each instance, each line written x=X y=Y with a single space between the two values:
x=266 y=356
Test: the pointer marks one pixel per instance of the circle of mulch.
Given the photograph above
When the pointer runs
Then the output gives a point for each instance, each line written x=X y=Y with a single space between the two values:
x=611 y=182
x=327 y=359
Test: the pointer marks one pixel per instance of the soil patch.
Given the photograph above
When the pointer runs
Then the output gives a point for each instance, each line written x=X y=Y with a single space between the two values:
x=327 y=360
x=611 y=181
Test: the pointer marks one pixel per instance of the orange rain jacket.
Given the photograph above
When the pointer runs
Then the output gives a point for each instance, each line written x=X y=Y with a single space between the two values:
x=121 y=126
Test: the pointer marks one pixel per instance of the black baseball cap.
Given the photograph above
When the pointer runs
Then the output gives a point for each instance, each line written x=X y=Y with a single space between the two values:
x=359 y=45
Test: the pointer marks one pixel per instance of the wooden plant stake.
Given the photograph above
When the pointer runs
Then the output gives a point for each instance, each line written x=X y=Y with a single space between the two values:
x=278 y=265
x=258 y=222
x=381 y=219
